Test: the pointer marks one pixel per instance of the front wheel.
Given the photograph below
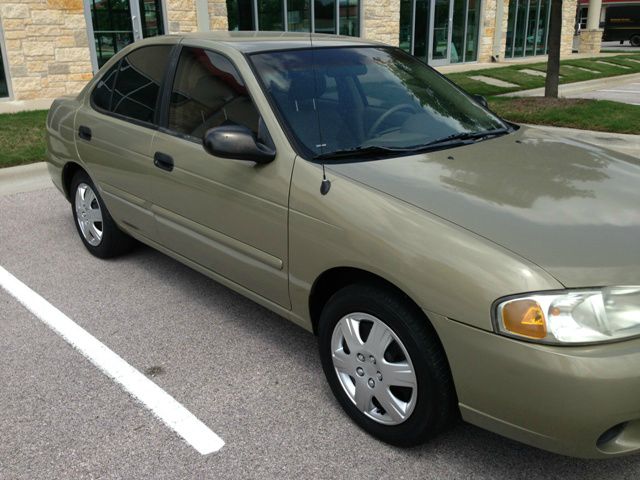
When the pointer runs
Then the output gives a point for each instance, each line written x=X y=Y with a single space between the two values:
x=635 y=41
x=385 y=365
x=97 y=230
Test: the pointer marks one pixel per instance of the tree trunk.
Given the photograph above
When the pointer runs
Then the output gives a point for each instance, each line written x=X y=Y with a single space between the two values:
x=553 y=64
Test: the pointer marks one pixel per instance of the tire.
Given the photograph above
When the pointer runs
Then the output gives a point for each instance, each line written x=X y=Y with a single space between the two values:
x=97 y=230
x=635 y=41
x=363 y=311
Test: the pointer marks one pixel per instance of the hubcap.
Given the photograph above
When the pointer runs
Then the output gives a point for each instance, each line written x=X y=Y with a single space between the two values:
x=374 y=368
x=88 y=214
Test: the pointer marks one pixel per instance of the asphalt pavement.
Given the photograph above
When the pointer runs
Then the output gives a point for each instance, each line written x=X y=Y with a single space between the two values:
x=253 y=378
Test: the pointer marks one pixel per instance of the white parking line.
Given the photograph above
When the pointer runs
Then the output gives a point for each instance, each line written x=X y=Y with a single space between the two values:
x=159 y=402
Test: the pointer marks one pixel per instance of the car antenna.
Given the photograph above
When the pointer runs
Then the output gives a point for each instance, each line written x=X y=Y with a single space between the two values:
x=325 y=186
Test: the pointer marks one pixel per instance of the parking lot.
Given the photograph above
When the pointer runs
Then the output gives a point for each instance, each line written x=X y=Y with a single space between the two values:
x=251 y=377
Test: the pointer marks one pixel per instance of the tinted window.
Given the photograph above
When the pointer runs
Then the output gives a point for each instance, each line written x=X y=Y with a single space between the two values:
x=208 y=92
x=102 y=93
x=346 y=98
x=138 y=82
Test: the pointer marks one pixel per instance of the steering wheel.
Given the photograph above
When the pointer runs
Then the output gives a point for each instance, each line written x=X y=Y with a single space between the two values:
x=385 y=115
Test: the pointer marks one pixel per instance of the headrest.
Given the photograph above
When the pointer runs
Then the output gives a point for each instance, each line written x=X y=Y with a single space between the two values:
x=302 y=85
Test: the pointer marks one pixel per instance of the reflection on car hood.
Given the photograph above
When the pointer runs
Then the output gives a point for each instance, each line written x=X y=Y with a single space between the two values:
x=570 y=207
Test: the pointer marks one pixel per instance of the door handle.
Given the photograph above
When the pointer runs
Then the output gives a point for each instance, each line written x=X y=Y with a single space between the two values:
x=163 y=161
x=84 y=133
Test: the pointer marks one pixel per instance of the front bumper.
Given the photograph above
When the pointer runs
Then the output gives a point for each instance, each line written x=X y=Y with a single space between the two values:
x=576 y=401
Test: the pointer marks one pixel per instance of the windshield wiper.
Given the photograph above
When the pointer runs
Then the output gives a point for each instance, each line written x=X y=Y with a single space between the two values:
x=359 y=152
x=379 y=150
x=466 y=136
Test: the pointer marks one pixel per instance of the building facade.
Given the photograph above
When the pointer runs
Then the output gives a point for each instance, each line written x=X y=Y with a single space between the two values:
x=50 y=48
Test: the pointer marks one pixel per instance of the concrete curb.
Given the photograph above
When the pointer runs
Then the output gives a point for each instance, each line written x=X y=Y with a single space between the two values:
x=619 y=142
x=578 y=87
x=24 y=178
x=15 y=106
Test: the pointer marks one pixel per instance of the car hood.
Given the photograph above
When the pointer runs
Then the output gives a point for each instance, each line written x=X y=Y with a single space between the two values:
x=570 y=207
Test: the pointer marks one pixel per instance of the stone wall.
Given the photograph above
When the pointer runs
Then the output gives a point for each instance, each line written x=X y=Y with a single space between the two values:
x=381 y=21
x=487 y=30
x=590 y=41
x=181 y=16
x=47 y=47
x=568 y=26
x=218 y=15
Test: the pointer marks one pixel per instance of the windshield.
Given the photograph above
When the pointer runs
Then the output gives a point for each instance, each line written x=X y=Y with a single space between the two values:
x=365 y=98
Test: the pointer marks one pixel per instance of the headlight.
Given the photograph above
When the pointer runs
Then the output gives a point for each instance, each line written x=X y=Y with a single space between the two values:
x=571 y=316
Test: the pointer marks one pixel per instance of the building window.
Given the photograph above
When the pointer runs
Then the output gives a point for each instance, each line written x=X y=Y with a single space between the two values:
x=298 y=16
x=527 y=28
x=321 y=16
x=4 y=86
x=117 y=23
x=349 y=16
x=440 y=31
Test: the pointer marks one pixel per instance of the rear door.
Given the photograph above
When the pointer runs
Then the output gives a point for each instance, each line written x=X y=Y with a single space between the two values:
x=229 y=216
x=114 y=131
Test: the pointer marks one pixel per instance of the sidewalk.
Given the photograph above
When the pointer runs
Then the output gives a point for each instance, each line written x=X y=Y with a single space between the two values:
x=569 y=90
x=24 y=178
x=468 y=67
x=15 y=106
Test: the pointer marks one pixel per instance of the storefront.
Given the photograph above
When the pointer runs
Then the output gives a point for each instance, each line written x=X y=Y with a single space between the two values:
x=53 y=47
x=320 y=16
x=528 y=28
x=440 y=31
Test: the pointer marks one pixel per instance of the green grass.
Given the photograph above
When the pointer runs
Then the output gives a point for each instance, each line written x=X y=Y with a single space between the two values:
x=600 y=115
x=568 y=73
x=22 y=138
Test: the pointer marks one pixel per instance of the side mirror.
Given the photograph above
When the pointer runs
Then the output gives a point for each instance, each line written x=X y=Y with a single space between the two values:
x=237 y=142
x=481 y=100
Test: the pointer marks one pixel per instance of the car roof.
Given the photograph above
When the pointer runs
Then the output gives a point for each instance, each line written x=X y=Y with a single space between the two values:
x=251 y=42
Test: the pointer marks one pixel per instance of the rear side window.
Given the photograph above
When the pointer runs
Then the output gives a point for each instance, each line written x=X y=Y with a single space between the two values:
x=208 y=92
x=137 y=83
x=102 y=93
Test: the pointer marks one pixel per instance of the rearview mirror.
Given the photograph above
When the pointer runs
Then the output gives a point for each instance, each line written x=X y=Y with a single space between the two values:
x=481 y=100
x=237 y=142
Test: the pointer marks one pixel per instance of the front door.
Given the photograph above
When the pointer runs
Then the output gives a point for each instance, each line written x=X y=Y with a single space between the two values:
x=117 y=23
x=228 y=216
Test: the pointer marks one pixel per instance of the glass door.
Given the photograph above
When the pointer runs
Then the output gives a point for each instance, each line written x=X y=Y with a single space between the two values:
x=442 y=13
x=117 y=23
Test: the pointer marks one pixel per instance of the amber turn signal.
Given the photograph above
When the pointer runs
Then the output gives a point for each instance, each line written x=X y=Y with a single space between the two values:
x=525 y=318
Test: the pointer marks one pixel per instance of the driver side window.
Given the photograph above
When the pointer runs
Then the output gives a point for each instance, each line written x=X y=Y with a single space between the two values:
x=208 y=92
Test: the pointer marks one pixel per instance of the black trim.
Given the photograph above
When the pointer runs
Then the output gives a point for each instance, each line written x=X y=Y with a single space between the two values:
x=162 y=112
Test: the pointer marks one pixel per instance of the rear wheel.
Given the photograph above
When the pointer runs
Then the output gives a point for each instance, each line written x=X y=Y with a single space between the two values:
x=385 y=365
x=635 y=41
x=97 y=230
